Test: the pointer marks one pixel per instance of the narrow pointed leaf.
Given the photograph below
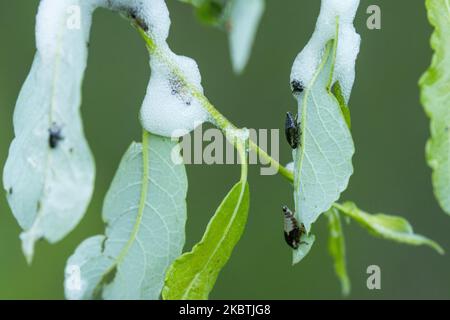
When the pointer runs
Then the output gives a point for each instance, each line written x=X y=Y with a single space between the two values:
x=244 y=18
x=193 y=275
x=145 y=210
x=336 y=247
x=435 y=85
x=388 y=227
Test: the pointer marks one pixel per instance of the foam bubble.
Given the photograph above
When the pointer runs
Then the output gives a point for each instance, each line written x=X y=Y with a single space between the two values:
x=52 y=27
x=308 y=60
x=169 y=109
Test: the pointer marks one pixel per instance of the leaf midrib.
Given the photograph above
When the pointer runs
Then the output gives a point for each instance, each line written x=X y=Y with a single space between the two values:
x=304 y=119
x=48 y=154
x=142 y=203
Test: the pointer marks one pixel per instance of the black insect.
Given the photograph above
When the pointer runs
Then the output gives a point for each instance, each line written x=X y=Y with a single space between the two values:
x=54 y=136
x=292 y=130
x=293 y=230
x=297 y=86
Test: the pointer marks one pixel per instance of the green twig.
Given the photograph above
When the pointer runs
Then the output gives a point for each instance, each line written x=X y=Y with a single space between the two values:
x=219 y=119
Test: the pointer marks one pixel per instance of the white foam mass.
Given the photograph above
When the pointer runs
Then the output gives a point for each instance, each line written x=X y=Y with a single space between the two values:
x=53 y=29
x=168 y=109
x=308 y=60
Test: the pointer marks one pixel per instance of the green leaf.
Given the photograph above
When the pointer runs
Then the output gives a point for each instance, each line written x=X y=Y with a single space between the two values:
x=243 y=22
x=49 y=173
x=193 y=275
x=337 y=92
x=387 y=227
x=435 y=97
x=323 y=161
x=208 y=11
x=336 y=247
x=145 y=212
x=195 y=3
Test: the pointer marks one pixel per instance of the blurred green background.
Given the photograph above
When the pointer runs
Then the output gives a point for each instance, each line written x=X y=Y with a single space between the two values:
x=389 y=127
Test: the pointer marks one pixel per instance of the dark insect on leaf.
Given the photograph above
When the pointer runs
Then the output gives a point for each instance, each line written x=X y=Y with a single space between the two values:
x=292 y=131
x=292 y=229
x=54 y=136
x=297 y=87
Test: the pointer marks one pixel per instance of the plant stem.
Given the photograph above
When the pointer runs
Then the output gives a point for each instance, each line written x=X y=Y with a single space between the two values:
x=219 y=120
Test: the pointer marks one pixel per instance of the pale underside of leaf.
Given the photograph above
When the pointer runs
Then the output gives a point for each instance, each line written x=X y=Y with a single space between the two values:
x=323 y=161
x=145 y=210
x=49 y=185
x=435 y=96
x=388 y=227
x=307 y=241
x=193 y=275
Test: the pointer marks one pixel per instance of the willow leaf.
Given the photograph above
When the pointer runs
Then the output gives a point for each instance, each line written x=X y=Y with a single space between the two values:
x=307 y=241
x=336 y=247
x=49 y=173
x=435 y=96
x=323 y=161
x=145 y=212
x=193 y=275
x=388 y=227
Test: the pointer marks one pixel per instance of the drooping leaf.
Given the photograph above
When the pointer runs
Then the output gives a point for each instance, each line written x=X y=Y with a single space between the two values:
x=193 y=275
x=388 y=227
x=145 y=212
x=323 y=161
x=435 y=96
x=336 y=247
x=243 y=22
x=49 y=174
